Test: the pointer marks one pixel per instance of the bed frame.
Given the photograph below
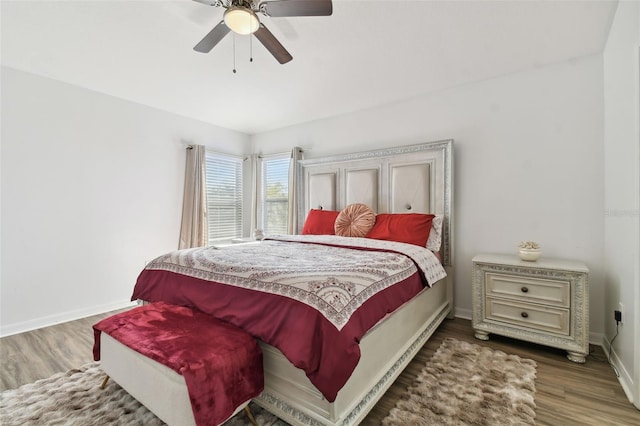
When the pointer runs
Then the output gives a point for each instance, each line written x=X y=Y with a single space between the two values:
x=408 y=179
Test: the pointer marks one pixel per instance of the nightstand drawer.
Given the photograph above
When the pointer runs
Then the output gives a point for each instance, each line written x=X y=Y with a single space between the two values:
x=536 y=317
x=528 y=289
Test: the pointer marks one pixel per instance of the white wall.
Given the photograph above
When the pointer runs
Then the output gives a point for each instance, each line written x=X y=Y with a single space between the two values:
x=528 y=162
x=91 y=190
x=622 y=194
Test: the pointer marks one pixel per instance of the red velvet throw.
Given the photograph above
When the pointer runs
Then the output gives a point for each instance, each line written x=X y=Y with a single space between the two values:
x=221 y=364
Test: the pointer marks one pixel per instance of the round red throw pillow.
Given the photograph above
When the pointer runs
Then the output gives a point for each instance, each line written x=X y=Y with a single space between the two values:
x=356 y=220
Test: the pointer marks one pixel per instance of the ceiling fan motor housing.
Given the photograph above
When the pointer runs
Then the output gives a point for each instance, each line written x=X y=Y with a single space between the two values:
x=247 y=4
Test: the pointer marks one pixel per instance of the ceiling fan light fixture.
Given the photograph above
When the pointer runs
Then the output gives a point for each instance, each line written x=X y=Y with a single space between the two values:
x=241 y=20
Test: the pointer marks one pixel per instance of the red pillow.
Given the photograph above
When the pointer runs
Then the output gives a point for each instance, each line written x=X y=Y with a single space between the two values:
x=412 y=228
x=320 y=222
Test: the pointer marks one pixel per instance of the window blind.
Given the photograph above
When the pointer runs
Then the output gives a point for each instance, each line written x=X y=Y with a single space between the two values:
x=275 y=194
x=224 y=196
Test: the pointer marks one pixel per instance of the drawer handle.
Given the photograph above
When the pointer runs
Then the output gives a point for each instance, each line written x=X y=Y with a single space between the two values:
x=524 y=315
x=524 y=290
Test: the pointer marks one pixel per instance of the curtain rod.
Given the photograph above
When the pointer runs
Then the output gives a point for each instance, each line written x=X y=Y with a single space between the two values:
x=302 y=149
x=259 y=156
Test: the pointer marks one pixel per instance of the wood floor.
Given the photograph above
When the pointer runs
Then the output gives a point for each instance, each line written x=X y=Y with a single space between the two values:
x=566 y=393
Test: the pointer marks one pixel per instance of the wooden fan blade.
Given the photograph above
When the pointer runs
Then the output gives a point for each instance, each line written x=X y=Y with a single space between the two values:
x=210 y=40
x=273 y=45
x=285 y=8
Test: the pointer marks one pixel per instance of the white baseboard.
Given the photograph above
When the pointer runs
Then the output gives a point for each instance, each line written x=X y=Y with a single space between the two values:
x=21 y=327
x=625 y=379
x=463 y=313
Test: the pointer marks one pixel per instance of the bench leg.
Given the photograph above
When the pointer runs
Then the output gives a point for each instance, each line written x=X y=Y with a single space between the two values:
x=104 y=382
x=250 y=415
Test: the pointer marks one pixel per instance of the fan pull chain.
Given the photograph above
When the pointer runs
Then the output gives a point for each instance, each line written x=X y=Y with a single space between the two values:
x=250 y=48
x=234 y=53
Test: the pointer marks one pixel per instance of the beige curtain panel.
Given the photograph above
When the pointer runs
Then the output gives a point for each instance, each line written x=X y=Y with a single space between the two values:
x=193 y=229
x=296 y=156
x=254 y=179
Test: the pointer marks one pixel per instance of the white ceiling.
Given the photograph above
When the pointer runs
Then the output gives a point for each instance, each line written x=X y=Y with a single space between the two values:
x=366 y=54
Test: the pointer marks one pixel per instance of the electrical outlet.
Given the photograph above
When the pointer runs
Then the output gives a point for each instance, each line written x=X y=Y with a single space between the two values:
x=617 y=315
x=621 y=309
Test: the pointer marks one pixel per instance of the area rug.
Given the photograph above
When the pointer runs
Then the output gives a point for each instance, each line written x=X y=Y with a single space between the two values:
x=74 y=398
x=468 y=384
x=462 y=384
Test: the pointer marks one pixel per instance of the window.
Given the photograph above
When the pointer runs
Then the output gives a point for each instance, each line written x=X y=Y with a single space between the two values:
x=224 y=197
x=275 y=193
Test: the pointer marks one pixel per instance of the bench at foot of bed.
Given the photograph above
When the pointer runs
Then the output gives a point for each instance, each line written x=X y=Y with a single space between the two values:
x=185 y=366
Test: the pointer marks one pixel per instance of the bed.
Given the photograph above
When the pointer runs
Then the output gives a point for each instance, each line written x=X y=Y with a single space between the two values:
x=410 y=179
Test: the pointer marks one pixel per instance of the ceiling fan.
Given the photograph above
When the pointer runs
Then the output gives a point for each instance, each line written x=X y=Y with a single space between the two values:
x=241 y=17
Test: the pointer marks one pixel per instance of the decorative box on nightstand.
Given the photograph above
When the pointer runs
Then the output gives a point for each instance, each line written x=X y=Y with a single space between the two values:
x=545 y=302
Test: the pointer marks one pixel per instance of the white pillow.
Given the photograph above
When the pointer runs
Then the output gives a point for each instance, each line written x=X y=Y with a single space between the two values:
x=435 y=235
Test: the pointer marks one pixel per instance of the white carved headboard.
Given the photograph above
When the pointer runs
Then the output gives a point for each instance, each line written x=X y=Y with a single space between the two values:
x=407 y=179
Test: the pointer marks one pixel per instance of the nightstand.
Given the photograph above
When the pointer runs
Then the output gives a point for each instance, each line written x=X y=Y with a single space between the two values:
x=545 y=302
